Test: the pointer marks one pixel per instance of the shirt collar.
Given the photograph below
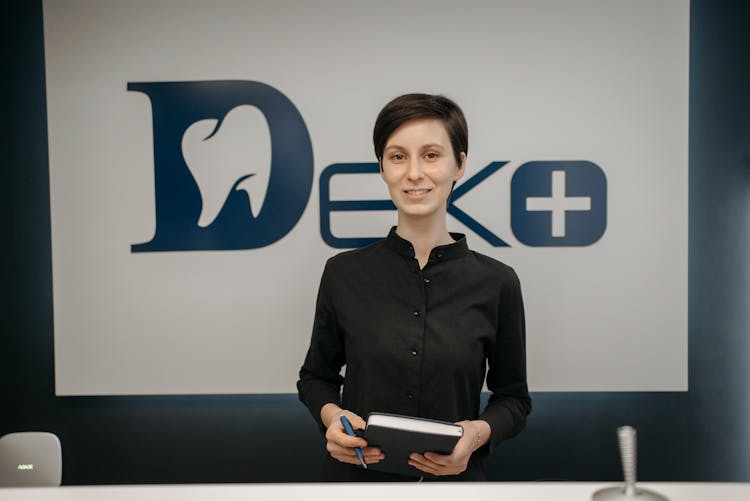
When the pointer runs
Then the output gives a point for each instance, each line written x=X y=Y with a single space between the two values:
x=440 y=253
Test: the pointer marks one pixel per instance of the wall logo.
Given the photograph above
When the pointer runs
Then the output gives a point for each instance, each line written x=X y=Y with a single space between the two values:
x=553 y=203
x=233 y=169
x=218 y=184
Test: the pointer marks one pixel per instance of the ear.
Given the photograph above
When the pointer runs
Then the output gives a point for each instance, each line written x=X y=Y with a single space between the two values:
x=382 y=174
x=461 y=169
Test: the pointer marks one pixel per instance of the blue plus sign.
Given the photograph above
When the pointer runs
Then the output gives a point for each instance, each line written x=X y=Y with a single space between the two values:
x=560 y=203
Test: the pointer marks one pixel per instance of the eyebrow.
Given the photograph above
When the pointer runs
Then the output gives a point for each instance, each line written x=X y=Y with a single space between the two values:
x=424 y=146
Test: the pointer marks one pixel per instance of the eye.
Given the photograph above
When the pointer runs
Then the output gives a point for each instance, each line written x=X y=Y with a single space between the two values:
x=397 y=157
x=432 y=155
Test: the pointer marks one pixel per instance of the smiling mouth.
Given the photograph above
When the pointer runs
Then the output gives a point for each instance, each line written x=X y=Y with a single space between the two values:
x=417 y=193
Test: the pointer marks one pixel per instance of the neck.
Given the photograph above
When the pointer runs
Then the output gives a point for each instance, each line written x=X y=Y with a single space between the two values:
x=424 y=234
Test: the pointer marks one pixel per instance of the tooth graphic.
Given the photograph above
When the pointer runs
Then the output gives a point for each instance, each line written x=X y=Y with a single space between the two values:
x=218 y=155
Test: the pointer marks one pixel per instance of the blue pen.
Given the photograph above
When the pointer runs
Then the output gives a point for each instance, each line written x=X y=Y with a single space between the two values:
x=350 y=431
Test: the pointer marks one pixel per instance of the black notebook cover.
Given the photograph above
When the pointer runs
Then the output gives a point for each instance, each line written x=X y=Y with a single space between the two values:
x=398 y=444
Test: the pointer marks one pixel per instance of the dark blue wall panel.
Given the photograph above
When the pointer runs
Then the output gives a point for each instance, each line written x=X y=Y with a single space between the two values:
x=700 y=435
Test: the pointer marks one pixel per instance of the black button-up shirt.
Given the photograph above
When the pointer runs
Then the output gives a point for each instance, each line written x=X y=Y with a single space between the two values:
x=419 y=341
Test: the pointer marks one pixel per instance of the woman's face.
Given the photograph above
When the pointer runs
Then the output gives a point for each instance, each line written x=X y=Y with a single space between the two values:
x=420 y=168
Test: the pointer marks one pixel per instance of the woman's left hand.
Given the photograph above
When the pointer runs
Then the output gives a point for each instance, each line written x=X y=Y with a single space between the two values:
x=476 y=434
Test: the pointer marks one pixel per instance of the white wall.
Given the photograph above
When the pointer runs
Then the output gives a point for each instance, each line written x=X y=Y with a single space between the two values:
x=604 y=82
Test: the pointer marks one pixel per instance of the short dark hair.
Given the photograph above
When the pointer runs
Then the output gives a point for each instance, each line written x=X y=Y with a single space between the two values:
x=416 y=106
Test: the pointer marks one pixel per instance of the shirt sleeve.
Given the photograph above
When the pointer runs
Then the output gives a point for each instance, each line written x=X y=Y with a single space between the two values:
x=320 y=377
x=509 y=402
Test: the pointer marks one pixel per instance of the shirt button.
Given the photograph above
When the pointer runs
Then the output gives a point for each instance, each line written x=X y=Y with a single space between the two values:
x=427 y=281
x=439 y=255
x=410 y=395
x=413 y=353
x=416 y=313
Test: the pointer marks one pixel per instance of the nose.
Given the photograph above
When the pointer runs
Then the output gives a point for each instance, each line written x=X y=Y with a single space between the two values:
x=415 y=172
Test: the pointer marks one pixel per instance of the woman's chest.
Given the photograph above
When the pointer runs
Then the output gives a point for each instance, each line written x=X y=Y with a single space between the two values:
x=430 y=316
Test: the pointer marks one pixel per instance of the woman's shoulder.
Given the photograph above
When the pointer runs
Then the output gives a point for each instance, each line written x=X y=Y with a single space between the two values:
x=354 y=257
x=491 y=266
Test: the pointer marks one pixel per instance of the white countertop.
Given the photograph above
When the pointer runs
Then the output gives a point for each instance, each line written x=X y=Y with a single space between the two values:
x=495 y=491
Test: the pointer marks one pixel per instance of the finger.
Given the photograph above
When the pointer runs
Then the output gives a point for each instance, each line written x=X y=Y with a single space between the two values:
x=344 y=456
x=426 y=470
x=370 y=453
x=351 y=442
x=423 y=461
x=421 y=466
x=427 y=464
x=440 y=459
x=357 y=422
x=335 y=449
x=346 y=459
x=339 y=436
x=436 y=470
x=453 y=467
x=373 y=455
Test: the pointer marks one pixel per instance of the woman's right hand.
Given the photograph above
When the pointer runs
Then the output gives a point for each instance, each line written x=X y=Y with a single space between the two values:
x=340 y=445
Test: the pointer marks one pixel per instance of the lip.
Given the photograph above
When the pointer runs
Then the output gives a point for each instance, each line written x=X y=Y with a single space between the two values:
x=416 y=194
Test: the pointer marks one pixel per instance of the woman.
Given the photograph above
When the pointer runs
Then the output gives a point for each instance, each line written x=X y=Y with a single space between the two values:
x=418 y=317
